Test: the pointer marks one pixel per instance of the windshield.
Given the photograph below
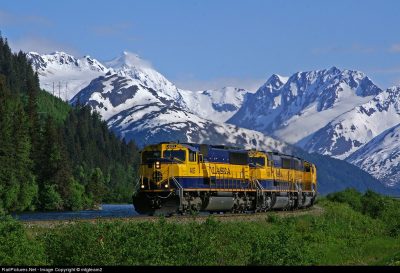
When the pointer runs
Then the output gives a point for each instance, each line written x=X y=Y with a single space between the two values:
x=258 y=161
x=150 y=156
x=179 y=155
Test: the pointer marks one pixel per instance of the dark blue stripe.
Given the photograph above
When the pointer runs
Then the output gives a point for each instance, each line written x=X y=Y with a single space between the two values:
x=200 y=182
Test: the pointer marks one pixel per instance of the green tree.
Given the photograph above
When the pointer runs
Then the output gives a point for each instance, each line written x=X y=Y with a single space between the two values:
x=96 y=187
x=53 y=165
x=50 y=198
x=6 y=147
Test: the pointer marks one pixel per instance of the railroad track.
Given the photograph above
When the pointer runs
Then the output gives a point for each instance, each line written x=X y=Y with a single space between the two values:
x=315 y=210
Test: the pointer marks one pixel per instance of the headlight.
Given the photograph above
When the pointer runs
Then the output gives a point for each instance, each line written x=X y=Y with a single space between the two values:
x=166 y=185
x=157 y=165
x=142 y=186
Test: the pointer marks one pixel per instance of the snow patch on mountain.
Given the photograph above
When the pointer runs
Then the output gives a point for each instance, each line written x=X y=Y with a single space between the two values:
x=175 y=124
x=381 y=157
x=63 y=73
x=351 y=130
x=217 y=105
x=131 y=65
x=112 y=94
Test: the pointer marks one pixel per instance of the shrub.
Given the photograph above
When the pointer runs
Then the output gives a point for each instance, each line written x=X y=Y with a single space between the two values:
x=373 y=204
x=16 y=247
x=51 y=198
x=350 y=196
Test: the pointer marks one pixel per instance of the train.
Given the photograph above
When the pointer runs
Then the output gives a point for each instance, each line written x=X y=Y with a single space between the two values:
x=181 y=178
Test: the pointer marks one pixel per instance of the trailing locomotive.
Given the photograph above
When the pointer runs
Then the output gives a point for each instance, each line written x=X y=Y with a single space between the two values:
x=184 y=177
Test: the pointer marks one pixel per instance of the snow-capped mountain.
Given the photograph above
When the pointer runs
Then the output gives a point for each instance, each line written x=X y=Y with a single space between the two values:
x=136 y=111
x=111 y=94
x=154 y=124
x=350 y=131
x=64 y=73
x=75 y=74
x=381 y=157
x=294 y=108
x=132 y=66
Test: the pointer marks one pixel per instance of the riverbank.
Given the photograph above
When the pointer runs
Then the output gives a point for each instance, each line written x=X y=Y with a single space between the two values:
x=104 y=211
x=184 y=219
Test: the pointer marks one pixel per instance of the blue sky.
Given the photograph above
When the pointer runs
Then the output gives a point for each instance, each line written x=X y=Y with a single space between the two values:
x=201 y=44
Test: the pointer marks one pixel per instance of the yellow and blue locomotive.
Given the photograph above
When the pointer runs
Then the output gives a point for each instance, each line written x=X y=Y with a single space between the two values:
x=182 y=177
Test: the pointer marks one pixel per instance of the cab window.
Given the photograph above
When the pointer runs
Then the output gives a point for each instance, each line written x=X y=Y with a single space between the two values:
x=180 y=155
x=150 y=156
x=257 y=161
x=285 y=163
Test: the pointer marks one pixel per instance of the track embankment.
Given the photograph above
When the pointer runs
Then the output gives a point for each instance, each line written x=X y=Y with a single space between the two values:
x=315 y=210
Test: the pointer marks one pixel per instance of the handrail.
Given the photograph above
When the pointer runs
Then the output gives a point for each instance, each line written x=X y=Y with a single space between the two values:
x=180 y=190
x=137 y=184
x=258 y=184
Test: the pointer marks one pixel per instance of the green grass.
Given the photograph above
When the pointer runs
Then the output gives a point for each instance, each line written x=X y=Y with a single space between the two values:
x=339 y=236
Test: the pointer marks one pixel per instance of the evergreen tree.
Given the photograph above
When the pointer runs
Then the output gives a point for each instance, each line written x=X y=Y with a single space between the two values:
x=6 y=146
x=32 y=111
x=22 y=163
x=96 y=187
x=54 y=167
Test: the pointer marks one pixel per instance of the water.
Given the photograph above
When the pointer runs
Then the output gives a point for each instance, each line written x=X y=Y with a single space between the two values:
x=107 y=211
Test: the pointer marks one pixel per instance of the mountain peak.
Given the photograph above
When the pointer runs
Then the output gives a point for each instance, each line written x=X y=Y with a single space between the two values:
x=128 y=59
x=276 y=80
x=60 y=53
x=334 y=69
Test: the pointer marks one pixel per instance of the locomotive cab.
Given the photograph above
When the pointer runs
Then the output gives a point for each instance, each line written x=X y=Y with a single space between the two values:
x=162 y=162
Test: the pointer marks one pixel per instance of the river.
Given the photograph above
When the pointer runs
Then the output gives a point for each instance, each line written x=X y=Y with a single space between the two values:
x=106 y=211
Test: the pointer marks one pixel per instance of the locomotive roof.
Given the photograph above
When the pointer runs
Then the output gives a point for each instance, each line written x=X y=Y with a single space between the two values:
x=220 y=147
x=284 y=155
x=196 y=148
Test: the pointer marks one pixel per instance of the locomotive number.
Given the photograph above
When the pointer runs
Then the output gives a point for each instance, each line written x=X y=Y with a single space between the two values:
x=192 y=170
x=171 y=146
x=222 y=170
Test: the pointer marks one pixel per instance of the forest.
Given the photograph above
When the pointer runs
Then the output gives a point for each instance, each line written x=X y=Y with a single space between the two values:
x=54 y=156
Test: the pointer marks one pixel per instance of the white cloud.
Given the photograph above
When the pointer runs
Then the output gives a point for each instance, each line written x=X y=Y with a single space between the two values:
x=111 y=29
x=395 y=48
x=135 y=60
x=387 y=70
x=11 y=19
x=40 y=45
x=355 y=48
